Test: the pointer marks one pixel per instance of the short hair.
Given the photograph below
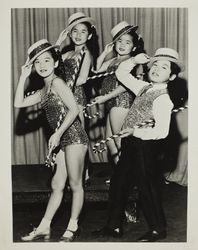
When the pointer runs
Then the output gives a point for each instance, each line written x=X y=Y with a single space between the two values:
x=175 y=69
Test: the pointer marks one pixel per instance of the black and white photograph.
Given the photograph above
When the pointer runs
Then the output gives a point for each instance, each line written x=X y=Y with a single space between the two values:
x=99 y=124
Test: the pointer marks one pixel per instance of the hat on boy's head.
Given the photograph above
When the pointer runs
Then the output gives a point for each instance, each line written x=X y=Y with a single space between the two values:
x=78 y=17
x=121 y=29
x=38 y=48
x=167 y=54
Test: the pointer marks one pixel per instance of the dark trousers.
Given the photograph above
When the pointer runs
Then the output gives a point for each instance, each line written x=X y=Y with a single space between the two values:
x=137 y=165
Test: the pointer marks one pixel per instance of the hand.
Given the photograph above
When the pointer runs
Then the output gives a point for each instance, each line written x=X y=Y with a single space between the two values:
x=26 y=69
x=70 y=84
x=100 y=99
x=126 y=132
x=54 y=141
x=141 y=58
x=108 y=48
x=62 y=37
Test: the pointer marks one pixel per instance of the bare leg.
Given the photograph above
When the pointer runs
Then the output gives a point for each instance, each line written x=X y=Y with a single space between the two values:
x=57 y=184
x=111 y=144
x=116 y=117
x=75 y=165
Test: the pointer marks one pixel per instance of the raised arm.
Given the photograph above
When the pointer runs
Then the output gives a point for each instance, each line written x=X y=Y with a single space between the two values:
x=126 y=78
x=63 y=35
x=19 y=100
x=101 y=65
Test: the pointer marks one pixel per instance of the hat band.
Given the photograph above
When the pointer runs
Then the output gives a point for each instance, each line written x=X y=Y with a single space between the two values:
x=39 y=49
x=122 y=31
x=76 y=19
x=166 y=56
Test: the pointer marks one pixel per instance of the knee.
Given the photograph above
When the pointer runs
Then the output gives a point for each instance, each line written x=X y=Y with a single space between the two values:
x=57 y=186
x=76 y=185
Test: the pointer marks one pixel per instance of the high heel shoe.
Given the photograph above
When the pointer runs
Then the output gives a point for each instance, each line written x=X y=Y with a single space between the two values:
x=74 y=235
x=35 y=235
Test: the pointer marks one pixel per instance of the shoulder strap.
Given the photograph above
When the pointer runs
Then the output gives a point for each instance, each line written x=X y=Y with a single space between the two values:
x=51 y=84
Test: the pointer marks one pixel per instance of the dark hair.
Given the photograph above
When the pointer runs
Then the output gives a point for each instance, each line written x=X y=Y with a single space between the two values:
x=175 y=69
x=56 y=55
x=138 y=43
x=92 y=43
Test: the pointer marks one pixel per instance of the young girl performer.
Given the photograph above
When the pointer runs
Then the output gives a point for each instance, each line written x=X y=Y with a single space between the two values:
x=126 y=43
x=82 y=34
x=61 y=110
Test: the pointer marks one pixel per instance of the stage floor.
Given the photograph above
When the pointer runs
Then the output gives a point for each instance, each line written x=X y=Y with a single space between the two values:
x=31 y=191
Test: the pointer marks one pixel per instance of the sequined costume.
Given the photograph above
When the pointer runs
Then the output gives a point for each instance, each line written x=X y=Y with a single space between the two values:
x=79 y=93
x=141 y=110
x=54 y=108
x=110 y=83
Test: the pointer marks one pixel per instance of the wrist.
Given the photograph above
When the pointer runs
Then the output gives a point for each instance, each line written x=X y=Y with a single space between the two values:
x=133 y=60
x=58 y=43
x=59 y=133
x=23 y=77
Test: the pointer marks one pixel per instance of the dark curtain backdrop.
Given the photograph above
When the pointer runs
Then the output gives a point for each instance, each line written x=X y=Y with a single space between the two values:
x=159 y=27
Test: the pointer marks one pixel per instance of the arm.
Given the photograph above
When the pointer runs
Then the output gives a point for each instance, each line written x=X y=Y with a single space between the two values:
x=103 y=98
x=84 y=70
x=162 y=108
x=63 y=35
x=67 y=97
x=19 y=100
x=102 y=66
x=128 y=80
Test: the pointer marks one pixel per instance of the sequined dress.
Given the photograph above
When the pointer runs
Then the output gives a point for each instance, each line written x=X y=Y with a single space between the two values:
x=54 y=109
x=79 y=93
x=141 y=109
x=110 y=83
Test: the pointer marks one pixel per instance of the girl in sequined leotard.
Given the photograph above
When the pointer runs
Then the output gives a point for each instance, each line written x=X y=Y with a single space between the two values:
x=126 y=43
x=69 y=137
x=82 y=34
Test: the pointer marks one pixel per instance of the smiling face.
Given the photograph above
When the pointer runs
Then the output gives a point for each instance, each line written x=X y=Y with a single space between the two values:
x=44 y=64
x=160 y=72
x=124 y=45
x=79 y=34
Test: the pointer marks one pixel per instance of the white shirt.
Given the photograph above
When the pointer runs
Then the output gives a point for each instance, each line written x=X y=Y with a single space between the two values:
x=162 y=105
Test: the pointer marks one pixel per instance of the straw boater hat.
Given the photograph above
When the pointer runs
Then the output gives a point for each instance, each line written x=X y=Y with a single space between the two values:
x=121 y=29
x=78 y=17
x=167 y=54
x=37 y=49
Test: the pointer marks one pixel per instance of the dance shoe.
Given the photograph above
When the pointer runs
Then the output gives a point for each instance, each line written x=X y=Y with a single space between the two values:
x=36 y=234
x=105 y=231
x=74 y=235
x=108 y=182
x=152 y=236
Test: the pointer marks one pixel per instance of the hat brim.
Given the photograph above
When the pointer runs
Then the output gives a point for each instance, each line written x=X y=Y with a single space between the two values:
x=161 y=58
x=133 y=28
x=82 y=20
x=30 y=61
